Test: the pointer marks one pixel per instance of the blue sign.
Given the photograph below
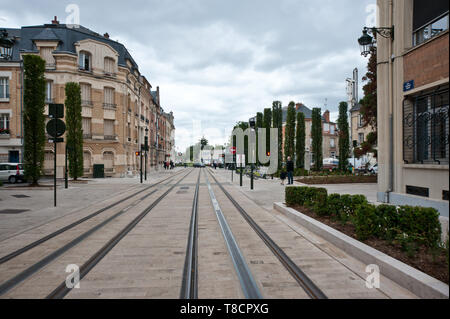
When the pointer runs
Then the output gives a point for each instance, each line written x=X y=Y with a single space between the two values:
x=408 y=86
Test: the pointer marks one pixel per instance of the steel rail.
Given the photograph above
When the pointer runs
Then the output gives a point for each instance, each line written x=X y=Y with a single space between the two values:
x=72 y=225
x=303 y=280
x=248 y=284
x=189 y=286
x=62 y=290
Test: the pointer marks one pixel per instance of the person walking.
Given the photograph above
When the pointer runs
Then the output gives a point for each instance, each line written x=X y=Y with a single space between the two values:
x=290 y=171
x=283 y=176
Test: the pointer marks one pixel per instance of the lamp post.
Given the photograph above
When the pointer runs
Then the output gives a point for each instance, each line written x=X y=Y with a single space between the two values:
x=6 y=45
x=252 y=123
x=367 y=42
x=146 y=151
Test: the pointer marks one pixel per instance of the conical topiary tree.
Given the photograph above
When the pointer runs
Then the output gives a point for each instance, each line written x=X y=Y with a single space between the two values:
x=289 y=135
x=33 y=116
x=300 y=140
x=317 y=139
x=74 y=136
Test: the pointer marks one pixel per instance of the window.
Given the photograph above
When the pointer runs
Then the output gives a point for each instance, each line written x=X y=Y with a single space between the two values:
x=4 y=124
x=86 y=162
x=326 y=127
x=4 y=88
x=360 y=138
x=430 y=30
x=426 y=128
x=86 y=124
x=332 y=129
x=86 y=94
x=360 y=120
x=46 y=54
x=109 y=66
x=85 y=61
x=332 y=143
x=109 y=98
x=48 y=92
x=108 y=127
x=108 y=160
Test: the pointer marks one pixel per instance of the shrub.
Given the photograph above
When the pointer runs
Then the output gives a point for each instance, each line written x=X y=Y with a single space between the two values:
x=1 y=183
x=388 y=221
x=301 y=172
x=335 y=206
x=366 y=221
x=421 y=222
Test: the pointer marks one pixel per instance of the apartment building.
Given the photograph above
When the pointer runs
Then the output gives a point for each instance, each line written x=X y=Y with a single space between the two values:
x=413 y=103
x=360 y=131
x=118 y=105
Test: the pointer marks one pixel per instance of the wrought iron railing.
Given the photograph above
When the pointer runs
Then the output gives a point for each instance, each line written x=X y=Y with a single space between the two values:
x=87 y=103
x=87 y=136
x=109 y=106
x=110 y=137
x=426 y=128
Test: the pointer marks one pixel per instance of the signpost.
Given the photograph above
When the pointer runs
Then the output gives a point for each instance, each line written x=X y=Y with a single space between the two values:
x=56 y=128
x=240 y=160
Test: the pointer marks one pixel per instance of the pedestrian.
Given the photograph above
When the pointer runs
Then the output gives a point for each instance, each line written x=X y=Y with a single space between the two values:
x=290 y=171
x=283 y=176
x=172 y=165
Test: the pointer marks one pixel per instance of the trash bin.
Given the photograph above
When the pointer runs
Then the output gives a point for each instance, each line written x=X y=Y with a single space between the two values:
x=99 y=171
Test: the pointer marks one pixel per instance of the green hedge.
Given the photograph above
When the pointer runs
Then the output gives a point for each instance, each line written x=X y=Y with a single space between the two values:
x=405 y=224
x=1 y=183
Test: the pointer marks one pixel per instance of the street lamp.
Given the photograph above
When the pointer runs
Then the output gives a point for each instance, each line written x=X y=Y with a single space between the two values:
x=146 y=151
x=367 y=42
x=252 y=124
x=6 y=45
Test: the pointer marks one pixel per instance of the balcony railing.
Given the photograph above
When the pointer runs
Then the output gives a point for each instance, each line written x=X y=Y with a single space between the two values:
x=110 y=137
x=109 y=106
x=87 y=136
x=87 y=103
x=50 y=66
x=142 y=118
x=110 y=74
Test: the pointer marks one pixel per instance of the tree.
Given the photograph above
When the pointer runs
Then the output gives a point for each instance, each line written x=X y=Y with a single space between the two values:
x=259 y=124
x=244 y=126
x=203 y=142
x=344 y=136
x=277 y=114
x=317 y=139
x=369 y=107
x=267 y=124
x=289 y=135
x=74 y=137
x=33 y=117
x=300 y=140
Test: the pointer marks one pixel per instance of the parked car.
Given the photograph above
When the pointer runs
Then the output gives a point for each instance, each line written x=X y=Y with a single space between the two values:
x=374 y=169
x=12 y=172
x=199 y=165
x=330 y=164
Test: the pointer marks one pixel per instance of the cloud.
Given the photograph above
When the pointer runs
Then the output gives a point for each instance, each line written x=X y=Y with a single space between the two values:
x=220 y=62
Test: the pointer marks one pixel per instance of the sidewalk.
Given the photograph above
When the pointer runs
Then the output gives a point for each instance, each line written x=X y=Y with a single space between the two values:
x=268 y=191
x=35 y=205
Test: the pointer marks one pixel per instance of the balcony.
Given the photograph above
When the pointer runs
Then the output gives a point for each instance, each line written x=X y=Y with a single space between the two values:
x=50 y=66
x=110 y=137
x=109 y=74
x=109 y=106
x=87 y=136
x=87 y=103
x=5 y=133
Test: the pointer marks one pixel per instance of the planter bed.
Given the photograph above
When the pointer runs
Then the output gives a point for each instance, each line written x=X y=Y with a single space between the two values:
x=433 y=263
x=324 y=180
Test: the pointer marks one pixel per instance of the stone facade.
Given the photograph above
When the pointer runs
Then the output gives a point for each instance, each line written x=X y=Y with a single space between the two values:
x=413 y=150
x=118 y=105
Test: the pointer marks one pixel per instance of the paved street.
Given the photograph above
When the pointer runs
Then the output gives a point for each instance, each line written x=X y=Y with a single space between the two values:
x=130 y=241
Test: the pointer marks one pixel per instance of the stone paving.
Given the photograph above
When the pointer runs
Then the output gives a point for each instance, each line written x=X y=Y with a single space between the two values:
x=149 y=261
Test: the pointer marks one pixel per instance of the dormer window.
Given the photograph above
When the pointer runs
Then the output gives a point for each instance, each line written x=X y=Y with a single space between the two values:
x=85 y=61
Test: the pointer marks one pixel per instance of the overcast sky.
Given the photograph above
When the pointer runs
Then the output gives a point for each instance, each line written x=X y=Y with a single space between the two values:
x=219 y=62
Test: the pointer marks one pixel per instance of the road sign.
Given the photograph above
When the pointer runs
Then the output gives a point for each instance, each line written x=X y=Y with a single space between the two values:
x=56 y=140
x=56 y=111
x=240 y=160
x=408 y=86
x=60 y=128
x=233 y=150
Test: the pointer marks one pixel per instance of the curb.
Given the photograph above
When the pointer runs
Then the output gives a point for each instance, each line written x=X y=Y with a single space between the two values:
x=419 y=283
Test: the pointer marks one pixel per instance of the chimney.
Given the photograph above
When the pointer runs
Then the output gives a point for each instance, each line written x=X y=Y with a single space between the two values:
x=157 y=95
x=326 y=116
x=55 y=21
x=298 y=106
x=106 y=35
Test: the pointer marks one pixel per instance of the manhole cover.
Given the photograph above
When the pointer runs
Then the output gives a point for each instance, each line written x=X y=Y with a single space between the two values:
x=20 y=196
x=13 y=211
x=184 y=187
x=182 y=192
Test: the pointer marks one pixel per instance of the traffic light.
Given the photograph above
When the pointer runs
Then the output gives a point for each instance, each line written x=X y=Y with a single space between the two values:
x=138 y=153
x=268 y=154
